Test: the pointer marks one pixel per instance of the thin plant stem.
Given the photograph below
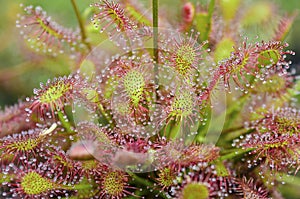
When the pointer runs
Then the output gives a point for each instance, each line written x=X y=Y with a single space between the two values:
x=146 y=183
x=234 y=154
x=81 y=26
x=155 y=38
x=64 y=123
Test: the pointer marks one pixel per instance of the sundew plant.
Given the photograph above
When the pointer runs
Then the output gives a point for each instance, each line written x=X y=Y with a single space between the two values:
x=197 y=102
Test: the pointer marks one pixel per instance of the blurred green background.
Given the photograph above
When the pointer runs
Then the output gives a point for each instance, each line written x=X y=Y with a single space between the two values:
x=18 y=75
